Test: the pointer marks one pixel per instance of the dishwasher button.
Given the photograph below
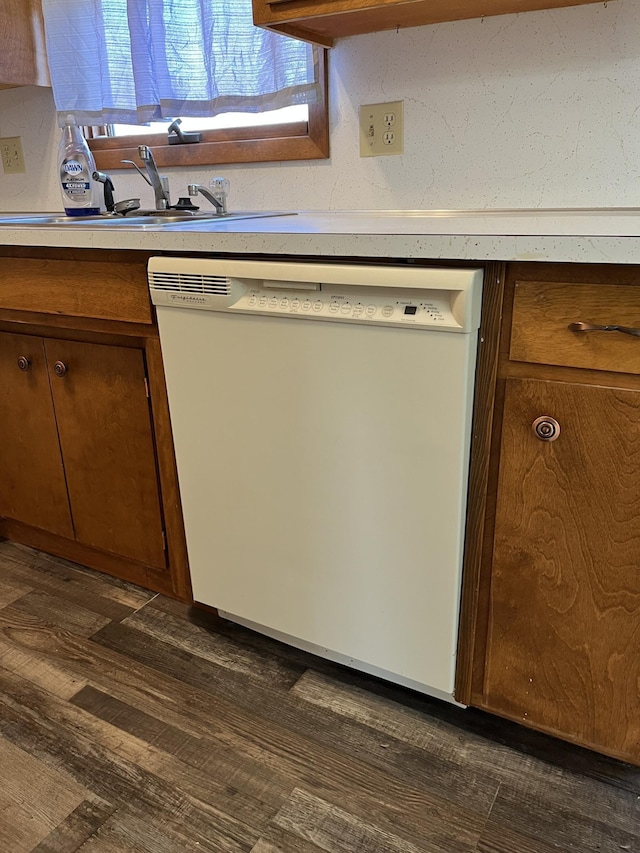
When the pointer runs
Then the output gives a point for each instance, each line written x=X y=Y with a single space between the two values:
x=284 y=303
x=306 y=305
x=357 y=310
x=345 y=308
x=370 y=310
x=273 y=302
x=387 y=311
x=334 y=307
x=252 y=300
x=295 y=304
x=262 y=302
x=317 y=305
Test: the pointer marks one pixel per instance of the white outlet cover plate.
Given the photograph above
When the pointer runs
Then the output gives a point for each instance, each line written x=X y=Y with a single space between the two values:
x=381 y=129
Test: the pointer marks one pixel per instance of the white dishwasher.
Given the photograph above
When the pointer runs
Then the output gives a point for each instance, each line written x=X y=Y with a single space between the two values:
x=321 y=417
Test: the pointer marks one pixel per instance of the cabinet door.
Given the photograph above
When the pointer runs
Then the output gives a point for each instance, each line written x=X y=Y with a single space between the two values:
x=107 y=444
x=32 y=485
x=564 y=625
x=23 y=60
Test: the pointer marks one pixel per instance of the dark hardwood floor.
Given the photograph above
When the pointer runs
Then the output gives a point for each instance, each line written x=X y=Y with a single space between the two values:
x=130 y=722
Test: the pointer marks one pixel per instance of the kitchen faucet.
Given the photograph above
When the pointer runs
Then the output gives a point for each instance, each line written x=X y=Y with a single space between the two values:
x=218 y=197
x=160 y=183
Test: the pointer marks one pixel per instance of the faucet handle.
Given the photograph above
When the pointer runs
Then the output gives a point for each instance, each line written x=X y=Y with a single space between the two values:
x=220 y=190
x=220 y=186
x=138 y=170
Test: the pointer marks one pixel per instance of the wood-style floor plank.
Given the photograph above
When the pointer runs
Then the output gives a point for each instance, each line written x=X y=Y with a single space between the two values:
x=295 y=715
x=317 y=735
x=530 y=785
x=335 y=774
x=262 y=786
x=498 y=764
x=130 y=723
x=212 y=647
x=325 y=826
x=599 y=820
x=117 y=755
x=76 y=828
x=10 y=592
x=39 y=670
x=94 y=591
x=117 y=769
x=284 y=843
x=243 y=771
x=34 y=799
x=125 y=833
x=56 y=611
x=490 y=730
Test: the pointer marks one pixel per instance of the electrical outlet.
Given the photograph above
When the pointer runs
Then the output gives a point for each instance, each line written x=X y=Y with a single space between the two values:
x=381 y=129
x=12 y=156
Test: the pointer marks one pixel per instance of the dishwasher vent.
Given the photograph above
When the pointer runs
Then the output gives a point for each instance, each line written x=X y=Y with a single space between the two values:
x=177 y=282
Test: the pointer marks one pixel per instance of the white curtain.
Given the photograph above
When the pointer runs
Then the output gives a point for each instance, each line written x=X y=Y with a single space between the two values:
x=135 y=61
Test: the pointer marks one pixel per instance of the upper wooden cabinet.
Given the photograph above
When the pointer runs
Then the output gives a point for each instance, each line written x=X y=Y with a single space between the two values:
x=23 y=58
x=322 y=21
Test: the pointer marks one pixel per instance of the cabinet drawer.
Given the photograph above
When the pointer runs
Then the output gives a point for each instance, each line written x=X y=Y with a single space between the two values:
x=543 y=311
x=82 y=286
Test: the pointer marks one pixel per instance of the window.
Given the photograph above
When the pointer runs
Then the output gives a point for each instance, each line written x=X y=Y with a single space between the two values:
x=140 y=61
x=218 y=122
x=306 y=139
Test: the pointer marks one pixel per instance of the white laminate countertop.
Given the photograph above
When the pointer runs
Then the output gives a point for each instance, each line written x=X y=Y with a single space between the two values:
x=579 y=235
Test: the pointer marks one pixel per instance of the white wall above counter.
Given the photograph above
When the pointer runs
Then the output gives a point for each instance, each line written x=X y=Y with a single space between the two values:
x=532 y=110
x=580 y=236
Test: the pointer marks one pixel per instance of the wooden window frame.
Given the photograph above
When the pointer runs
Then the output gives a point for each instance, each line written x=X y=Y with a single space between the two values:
x=271 y=143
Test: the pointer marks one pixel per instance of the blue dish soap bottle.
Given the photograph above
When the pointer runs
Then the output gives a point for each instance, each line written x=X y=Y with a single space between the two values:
x=80 y=193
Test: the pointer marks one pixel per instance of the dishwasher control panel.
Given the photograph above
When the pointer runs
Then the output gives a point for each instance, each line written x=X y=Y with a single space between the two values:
x=361 y=305
x=415 y=297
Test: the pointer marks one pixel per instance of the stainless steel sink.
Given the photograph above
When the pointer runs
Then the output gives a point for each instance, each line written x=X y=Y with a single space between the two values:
x=140 y=219
x=175 y=217
x=30 y=220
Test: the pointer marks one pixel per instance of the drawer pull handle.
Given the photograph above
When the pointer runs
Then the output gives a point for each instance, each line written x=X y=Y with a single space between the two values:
x=24 y=363
x=59 y=368
x=546 y=428
x=593 y=327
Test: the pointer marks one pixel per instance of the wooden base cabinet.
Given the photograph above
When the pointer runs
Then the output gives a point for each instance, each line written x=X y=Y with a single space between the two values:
x=33 y=488
x=550 y=622
x=82 y=432
x=87 y=470
x=563 y=647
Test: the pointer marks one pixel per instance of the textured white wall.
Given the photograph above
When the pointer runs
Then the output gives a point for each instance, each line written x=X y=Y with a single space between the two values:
x=534 y=110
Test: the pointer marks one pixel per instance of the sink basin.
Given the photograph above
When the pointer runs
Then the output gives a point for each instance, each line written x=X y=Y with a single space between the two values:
x=140 y=219
x=33 y=220
x=175 y=217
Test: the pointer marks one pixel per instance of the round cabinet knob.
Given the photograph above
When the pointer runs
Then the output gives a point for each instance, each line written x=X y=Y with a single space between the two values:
x=546 y=428
x=59 y=368
x=24 y=363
